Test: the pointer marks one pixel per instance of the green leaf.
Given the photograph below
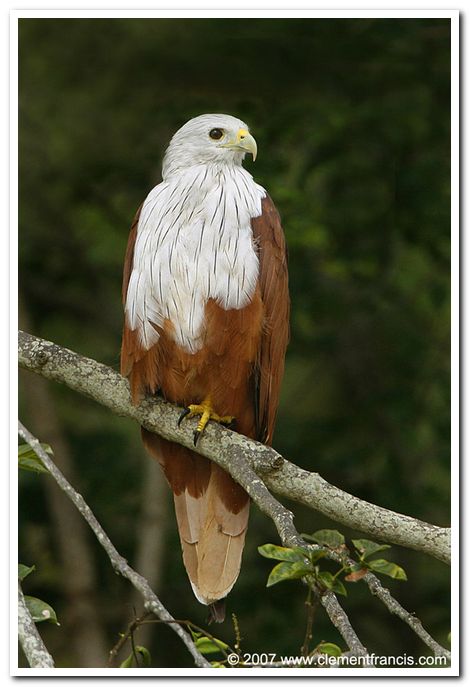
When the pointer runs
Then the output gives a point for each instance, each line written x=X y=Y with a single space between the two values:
x=40 y=611
x=144 y=659
x=339 y=588
x=380 y=565
x=282 y=553
x=207 y=645
x=326 y=579
x=330 y=582
x=24 y=571
x=31 y=463
x=331 y=538
x=287 y=571
x=28 y=460
x=128 y=662
x=329 y=648
x=366 y=547
x=26 y=450
x=217 y=664
x=306 y=552
x=144 y=655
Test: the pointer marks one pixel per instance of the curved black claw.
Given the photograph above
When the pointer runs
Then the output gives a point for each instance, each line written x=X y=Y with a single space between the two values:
x=196 y=436
x=232 y=424
x=185 y=412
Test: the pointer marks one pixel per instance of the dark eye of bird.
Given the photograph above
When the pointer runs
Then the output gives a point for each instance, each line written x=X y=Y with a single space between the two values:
x=216 y=134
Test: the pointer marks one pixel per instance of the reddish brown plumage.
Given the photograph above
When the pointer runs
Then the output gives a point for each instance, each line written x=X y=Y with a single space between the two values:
x=240 y=366
x=274 y=289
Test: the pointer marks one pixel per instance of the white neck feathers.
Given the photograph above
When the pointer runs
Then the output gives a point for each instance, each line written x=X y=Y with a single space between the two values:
x=194 y=242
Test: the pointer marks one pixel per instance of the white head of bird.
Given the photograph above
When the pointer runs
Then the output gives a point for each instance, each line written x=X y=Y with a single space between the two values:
x=195 y=233
x=217 y=139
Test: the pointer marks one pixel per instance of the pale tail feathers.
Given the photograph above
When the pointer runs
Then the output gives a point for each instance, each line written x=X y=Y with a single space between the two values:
x=212 y=555
x=212 y=514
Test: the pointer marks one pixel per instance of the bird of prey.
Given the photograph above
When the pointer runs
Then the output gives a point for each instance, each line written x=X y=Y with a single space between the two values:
x=206 y=325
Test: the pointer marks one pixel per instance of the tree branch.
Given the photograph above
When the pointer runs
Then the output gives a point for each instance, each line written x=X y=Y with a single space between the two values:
x=152 y=602
x=233 y=452
x=34 y=648
x=411 y=620
x=245 y=460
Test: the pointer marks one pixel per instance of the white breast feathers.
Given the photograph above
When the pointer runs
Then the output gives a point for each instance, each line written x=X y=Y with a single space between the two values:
x=194 y=242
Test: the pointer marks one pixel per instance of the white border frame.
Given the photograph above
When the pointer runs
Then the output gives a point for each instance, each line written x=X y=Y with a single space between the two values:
x=453 y=15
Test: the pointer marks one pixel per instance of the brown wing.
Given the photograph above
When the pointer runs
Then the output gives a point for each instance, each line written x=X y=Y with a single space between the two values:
x=129 y=258
x=273 y=280
x=135 y=362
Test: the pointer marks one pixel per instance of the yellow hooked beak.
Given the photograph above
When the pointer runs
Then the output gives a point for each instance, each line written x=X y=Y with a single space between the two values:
x=244 y=142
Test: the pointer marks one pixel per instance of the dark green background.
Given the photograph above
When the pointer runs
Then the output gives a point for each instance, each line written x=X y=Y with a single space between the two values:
x=352 y=119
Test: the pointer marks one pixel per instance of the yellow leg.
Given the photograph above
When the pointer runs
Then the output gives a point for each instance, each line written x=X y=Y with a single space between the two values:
x=206 y=411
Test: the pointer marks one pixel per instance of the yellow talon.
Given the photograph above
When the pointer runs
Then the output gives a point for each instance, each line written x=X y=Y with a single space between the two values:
x=207 y=413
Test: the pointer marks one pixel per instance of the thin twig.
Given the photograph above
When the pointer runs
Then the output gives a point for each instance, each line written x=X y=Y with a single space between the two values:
x=201 y=630
x=131 y=628
x=341 y=621
x=238 y=637
x=311 y=607
x=151 y=601
x=382 y=593
x=137 y=622
x=411 y=620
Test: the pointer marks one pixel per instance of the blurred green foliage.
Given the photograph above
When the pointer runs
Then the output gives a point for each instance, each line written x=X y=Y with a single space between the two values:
x=352 y=119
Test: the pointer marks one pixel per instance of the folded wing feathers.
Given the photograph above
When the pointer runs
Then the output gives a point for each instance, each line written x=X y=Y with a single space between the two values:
x=268 y=234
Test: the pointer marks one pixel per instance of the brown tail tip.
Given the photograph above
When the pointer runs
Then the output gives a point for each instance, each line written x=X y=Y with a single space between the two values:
x=216 y=612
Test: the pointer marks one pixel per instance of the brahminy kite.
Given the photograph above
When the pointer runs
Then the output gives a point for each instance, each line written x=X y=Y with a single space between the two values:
x=206 y=325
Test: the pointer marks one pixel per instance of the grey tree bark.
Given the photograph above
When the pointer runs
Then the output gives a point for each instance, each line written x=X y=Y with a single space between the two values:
x=34 y=648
